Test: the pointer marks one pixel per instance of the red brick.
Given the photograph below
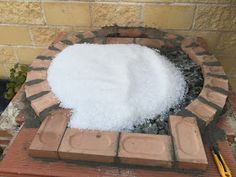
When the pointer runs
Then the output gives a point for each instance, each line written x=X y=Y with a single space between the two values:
x=216 y=82
x=209 y=58
x=71 y=37
x=98 y=40
x=192 y=55
x=189 y=150
x=154 y=43
x=117 y=40
x=60 y=45
x=49 y=53
x=143 y=149
x=170 y=36
x=37 y=88
x=33 y=75
x=130 y=32
x=19 y=96
x=17 y=162
x=186 y=42
x=47 y=140
x=98 y=146
x=40 y=63
x=213 y=70
x=203 y=111
x=43 y=102
x=88 y=34
x=203 y=43
x=59 y=37
x=214 y=97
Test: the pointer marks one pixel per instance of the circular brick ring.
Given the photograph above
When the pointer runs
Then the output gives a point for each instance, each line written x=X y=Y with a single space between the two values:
x=203 y=110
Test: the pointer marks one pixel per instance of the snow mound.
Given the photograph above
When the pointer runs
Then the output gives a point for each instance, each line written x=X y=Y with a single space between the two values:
x=115 y=86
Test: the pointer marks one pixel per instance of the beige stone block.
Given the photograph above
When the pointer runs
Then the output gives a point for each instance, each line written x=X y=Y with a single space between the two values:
x=168 y=17
x=14 y=35
x=76 y=14
x=229 y=64
x=7 y=55
x=27 y=54
x=2 y=72
x=227 y=44
x=21 y=12
x=166 y=1
x=215 y=18
x=44 y=35
x=232 y=81
x=205 y=1
x=110 y=14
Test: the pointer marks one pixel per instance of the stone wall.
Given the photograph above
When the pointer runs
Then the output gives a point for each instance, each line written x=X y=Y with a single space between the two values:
x=28 y=27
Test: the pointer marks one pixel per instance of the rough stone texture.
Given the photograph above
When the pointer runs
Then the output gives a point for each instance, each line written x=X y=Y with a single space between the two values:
x=27 y=54
x=2 y=71
x=229 y=64
x=98 y=146
x=7 y=55
x=215 y=18
x=151 y=150
x=44 y=35
x=21 y=12
x=14 y=35
x=189 y=149
x=205 y=1
x=48 y=138
x=75 y=14
x=176 y=17
x=110 y=14
x=227 y=43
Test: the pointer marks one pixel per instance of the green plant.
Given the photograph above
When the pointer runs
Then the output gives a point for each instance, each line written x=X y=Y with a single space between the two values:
x=17 y=77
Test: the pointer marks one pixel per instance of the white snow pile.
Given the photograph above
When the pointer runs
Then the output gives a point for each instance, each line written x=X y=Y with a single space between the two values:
x=114 y=86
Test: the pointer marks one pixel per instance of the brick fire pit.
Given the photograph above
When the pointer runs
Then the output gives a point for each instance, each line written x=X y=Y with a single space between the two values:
x=183 y=148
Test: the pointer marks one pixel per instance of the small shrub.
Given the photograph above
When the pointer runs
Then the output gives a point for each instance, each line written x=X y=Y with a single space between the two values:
x=17 y=77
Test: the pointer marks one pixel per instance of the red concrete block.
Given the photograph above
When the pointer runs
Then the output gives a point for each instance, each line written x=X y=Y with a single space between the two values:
x=44 y=102
x=214 y=97
x=143 y=149
x=34 y=75
x=189 y=149
x=40 y=63
x=154 y=43
x=48 y=138
x=203 y=111
x=216 y=82
x=37 y=88
x=98 y=146
x=130 y=32
x=118 y=40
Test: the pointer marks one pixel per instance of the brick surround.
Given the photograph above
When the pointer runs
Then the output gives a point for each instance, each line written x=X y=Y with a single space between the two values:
x=183 y=148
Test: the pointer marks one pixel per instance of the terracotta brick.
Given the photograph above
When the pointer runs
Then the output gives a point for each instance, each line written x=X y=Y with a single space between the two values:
x=203 y=111
x=60 y=45
x=203 y=43
x=47 y=140
x=117 y=40
x=209 y=58
x=34 y=75
x=198 y=50
x=186 y=42
x=40 y=63
x=99 y=40
x=216 y=82
x=20 y=119
x=189 y=149
x=49 y=53
x=154 y=43
x=99 y=146
x=170 y=36
x=192 y=55
x=88 y=34
x=143 y=149
x=214 y=97
x=71 y=37
x=130 y=32
x=37 y=88
x=213 y=70
x=44 y=102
